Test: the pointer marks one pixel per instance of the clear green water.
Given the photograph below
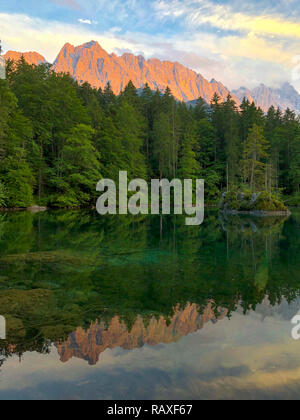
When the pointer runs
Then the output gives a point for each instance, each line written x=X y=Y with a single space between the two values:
x=148 y=308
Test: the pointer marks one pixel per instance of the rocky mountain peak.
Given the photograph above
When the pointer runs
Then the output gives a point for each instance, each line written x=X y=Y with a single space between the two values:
x=90 y=62
x=31 y=57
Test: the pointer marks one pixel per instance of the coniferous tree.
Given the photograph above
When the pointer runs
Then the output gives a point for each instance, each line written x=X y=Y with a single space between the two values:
x=146 y=104
x=189 y=166
x=131 y=128
x=16 y=177
x=254 y=159
x=79 y=170
x=162 y=135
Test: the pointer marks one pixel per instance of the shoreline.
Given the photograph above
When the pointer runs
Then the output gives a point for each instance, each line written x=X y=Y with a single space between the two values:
x=31 y=209
x=36 y=209
x=258 y=213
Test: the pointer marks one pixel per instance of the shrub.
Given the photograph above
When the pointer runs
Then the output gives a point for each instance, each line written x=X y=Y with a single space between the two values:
x=294 y=200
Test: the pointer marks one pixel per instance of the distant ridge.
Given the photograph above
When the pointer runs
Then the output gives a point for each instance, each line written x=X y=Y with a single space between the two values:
x=284 y=97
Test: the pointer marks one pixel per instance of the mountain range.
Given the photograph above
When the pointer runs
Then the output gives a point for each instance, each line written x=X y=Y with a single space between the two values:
x=91 y=63
x=284 y=97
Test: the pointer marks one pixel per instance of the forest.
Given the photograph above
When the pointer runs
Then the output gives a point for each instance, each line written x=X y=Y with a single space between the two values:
x=58 y=138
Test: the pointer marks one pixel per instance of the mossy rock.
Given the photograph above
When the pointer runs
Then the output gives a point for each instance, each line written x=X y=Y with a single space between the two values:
x=268 y=202
x=264 y=202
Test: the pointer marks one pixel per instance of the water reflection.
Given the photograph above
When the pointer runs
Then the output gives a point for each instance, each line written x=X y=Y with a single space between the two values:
x=89 y=344
x=76 y=285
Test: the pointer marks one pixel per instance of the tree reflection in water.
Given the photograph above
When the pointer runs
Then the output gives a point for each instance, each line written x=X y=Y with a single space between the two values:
x=87 y=283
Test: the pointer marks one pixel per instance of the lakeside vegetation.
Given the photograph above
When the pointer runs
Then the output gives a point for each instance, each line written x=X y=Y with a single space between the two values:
x=248 y=202
x=58 y=138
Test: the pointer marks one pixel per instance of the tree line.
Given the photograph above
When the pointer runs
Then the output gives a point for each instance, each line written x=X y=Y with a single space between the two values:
x=58 y=138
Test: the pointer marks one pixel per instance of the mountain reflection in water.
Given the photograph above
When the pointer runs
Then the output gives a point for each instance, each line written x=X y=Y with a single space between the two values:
x=89 y=345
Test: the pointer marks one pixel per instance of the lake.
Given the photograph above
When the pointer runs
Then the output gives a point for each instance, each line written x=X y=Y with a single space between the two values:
x=123 y=307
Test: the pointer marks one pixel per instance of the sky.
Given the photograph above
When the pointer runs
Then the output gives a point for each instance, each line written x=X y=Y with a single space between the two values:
x=241 y=43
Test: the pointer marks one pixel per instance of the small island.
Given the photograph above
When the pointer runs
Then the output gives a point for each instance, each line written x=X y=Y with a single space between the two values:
x=260 y=204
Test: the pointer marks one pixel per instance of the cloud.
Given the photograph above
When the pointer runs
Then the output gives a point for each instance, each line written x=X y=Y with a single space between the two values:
x=23 y=33
x=201 y=12
x=234 y=60
x=247 y=59
x=85 y=21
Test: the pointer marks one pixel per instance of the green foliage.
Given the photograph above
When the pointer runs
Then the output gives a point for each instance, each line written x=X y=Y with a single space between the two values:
x=293 y=201
x=254 y=157
x=16 y=178
x=131 y=131
x=78 y=170
x=18 y=183
x=268 y=202
x=58 y=138
x=2 y=195
x=162 y=135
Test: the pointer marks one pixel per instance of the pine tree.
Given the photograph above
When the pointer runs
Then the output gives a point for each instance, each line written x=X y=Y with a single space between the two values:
x=274 y=134
x=131 y=126
x=294 y=172
x=130 y=95
x=201 y=109
x=16 y=178
x=249 y=116
x=189 y=166
x=146 y=103
x=79 y=170
x=207 y=157
x=162 y=143
x=254 y=160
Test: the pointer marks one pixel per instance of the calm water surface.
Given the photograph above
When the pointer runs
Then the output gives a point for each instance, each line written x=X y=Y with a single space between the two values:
x=148 y=308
